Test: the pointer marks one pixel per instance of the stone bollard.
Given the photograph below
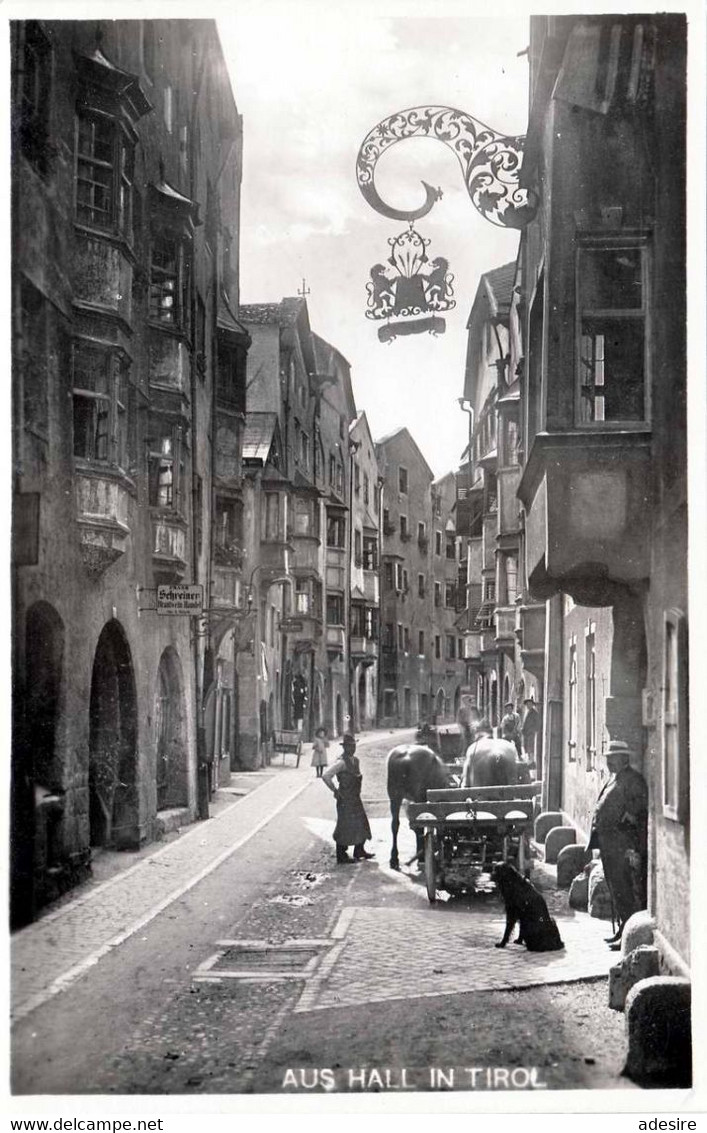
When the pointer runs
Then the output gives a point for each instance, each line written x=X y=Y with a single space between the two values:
x=545 y=822
x=658 y=1027
x=557 y=839
x=639 y=929
x=579 y=889
x=643 y=962
x=570 y=860
x=599 y=904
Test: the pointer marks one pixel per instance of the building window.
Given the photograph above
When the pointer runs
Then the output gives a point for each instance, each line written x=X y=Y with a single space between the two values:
x=490 y=590
x=421 y=586
x=306 y=513
x=403 y=481
x=358 y=549
x=438 y=593
x=370 y=552
x=399 y=580
x=169 y=282
x=388 y=575
x=336 y=531
x=371 y=624
x=400 y=636
x=303 y=596
x=460 y=648
x=389 y=702
x=406 y=639
x=35 y=95
x=451 y=648
x=611 y=332
x=104 y=173
x=450 y=547
x=304 y=451
x=166 y=478
x=450 y=595
x=230 y=376
x=389 y=637
x=438 y=647
x=421 y=643
x=334 y=610
x=357 y=480
x=438 y=542
x=366 y=489
x=572 y=701
x=228 y=522
x=272 y=517
x=404 y=528
x=103 y=409
x=511 y=565
x=590 y=697
x=674 y=714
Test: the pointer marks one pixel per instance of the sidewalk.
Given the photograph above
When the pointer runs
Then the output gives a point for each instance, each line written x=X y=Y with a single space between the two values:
x=57 y=949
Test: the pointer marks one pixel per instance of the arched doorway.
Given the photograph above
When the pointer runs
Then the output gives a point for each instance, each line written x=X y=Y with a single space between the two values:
x=457 y=701
x=439 y=705
x=171 y=767
x=37 y=773
x=113 y=809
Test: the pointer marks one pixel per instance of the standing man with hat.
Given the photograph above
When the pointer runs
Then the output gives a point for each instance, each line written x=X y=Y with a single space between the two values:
x=352 y=827
x=620 y=833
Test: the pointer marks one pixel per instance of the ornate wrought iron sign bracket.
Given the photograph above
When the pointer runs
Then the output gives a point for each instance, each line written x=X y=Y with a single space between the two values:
x=491 y=166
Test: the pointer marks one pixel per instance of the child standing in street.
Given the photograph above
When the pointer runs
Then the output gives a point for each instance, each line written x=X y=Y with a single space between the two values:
x=319 y=756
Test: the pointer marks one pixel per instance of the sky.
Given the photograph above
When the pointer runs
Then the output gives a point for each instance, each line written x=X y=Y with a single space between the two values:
x=311 y=80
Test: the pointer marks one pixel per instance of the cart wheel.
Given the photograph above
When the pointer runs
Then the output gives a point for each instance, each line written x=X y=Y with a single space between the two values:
x=430 y=866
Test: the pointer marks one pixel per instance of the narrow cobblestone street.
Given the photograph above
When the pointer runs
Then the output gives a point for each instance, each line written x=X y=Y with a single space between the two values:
x=238 y=958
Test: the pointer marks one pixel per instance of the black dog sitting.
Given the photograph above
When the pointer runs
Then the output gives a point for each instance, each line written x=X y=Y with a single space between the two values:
x=538 y=931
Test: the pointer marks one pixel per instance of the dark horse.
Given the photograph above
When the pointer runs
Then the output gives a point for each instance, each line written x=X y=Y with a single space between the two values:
x=413 y=770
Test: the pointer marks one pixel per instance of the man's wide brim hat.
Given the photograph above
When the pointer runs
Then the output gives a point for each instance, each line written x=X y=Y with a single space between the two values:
x=347 y=739
x=618 y=747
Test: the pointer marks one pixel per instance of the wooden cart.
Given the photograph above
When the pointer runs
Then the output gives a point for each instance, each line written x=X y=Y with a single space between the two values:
x=288 y=742
x=468 y=830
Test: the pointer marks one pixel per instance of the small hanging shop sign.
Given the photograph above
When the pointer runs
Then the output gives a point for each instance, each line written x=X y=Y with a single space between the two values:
x=180 y=598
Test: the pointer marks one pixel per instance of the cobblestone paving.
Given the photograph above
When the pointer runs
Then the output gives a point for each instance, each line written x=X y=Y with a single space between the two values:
x=46 y=954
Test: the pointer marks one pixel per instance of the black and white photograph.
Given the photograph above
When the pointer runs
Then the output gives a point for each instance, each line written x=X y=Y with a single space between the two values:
x=351 y=400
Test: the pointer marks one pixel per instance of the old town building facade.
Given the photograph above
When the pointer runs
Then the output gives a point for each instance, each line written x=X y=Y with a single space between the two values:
x=126 y=354
x=602 y=356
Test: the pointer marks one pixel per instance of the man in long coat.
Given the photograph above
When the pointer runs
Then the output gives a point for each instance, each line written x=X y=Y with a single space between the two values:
x=620 y=832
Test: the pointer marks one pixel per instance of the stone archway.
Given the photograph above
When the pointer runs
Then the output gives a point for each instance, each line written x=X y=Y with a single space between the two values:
x=113 y=804
x=439 y=705
x=171 y=747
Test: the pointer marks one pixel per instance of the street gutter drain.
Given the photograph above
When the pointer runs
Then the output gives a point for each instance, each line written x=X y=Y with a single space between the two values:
x=255 y=961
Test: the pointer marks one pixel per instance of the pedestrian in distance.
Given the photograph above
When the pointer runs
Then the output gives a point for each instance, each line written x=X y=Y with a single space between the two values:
x=620 y=833
x=510 y=727
x=352 y=828
x=319 y=751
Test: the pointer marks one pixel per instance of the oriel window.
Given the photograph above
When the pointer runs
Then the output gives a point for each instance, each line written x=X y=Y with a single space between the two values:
x=165 y=277
x=104 y=173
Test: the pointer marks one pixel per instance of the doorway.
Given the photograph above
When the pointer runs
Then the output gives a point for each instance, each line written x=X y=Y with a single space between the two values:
x=170 y=732
x=113 y=810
